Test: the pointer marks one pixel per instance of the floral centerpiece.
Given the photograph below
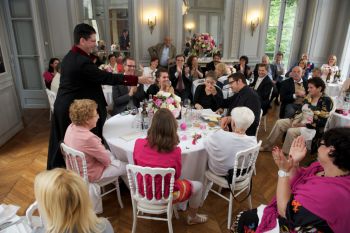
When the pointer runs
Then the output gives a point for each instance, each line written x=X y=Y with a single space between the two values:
x=165 y=100
x=203 y=44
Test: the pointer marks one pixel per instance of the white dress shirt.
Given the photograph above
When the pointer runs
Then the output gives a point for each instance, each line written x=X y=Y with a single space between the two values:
x=258 y=82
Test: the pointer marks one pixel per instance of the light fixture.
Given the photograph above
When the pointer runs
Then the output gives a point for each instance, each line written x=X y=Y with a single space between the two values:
x=185 y=7
x=152 y=23
x=189 y=27
x=254 y=22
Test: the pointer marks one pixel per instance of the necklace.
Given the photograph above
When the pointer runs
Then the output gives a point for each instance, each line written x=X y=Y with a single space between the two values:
x=346 y=174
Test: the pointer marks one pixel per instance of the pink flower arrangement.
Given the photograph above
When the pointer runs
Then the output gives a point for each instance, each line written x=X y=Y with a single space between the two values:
x=165 y=100
x=203 y=44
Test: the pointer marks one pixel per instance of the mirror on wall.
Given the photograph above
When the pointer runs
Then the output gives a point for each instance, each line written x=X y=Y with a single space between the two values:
x=203 y=20
x=111 y=20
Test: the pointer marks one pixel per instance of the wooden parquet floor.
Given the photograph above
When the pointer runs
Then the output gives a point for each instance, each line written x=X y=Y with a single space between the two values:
x=25 y=155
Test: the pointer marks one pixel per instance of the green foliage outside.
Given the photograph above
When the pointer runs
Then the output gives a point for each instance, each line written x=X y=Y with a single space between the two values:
x=287 y=30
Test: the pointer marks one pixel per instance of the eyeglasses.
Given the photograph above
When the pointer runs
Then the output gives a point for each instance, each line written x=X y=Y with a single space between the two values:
x=131 y=66
x=182 y=60
x=232 y=81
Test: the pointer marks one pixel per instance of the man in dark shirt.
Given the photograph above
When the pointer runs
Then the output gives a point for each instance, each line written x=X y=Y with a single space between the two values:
x=216 y=60
x=81 y=79
x=244 y=96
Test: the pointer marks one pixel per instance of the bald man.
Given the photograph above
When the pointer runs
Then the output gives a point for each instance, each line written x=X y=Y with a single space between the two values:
x=165 y=52
x=293 y=90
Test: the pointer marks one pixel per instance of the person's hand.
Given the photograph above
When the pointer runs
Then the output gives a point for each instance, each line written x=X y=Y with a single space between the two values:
x=300 y=93
x=178 y=69
x=281 y=161
x=298 y=149
x=141 y=67
x=187 y=70
x=213 y=90
x=224 y=123
x=198 y=106
x=145 y=80
x=219 y=111
x=132 y=91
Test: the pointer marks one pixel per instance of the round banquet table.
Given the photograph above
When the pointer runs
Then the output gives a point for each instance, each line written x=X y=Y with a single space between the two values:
x=333 y=89
x=337 y=120
x=121 y=136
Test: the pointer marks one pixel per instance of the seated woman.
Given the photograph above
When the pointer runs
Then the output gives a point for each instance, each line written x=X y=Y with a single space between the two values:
x=51 y=72
x=150 y=71
x=312 y=199
x=100 y=162
x=328 y=70
x=222 y=146
x=162 y=83
x=208 y=95
x=243 y=67
x=112 y=66
x=64 y=204
x=195 y=70
x=221 y=74
x=315 y=111
x=160 y=149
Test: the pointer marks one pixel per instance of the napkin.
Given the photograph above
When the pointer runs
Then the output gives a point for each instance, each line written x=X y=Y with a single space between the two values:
x=132 y=136
x=7 y=212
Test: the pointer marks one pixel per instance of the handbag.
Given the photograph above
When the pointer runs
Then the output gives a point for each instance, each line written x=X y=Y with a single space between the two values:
x=229 y=177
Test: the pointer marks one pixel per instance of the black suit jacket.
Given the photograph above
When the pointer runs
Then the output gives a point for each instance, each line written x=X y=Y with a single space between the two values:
x=187 y=92
x=80 y=79
x=246 y=70
x=286 y=93
x=273 y=69
x=264 y=91
x=245 y=98
x=121 y=98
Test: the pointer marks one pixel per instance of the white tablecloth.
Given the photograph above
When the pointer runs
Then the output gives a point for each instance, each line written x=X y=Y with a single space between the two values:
x=333 y=89
x=337 y=120
x=107 y=91
x=194 y=157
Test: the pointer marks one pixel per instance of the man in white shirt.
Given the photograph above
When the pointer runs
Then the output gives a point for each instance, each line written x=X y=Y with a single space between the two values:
x=263 y=86
x=222 y=146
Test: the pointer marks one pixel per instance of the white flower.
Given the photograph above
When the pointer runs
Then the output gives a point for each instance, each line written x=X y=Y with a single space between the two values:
x=171 y=107
x=177 y=99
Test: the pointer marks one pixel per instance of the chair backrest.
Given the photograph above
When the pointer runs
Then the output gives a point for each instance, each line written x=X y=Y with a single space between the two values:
x=29 y=215
x=257 y=129
x=75 y=161
x=271 y=92
x=135 y=171
x=244 y=163
x=52 y=97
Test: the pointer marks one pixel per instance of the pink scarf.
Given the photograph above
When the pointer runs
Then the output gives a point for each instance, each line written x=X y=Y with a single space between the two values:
x=326 y=197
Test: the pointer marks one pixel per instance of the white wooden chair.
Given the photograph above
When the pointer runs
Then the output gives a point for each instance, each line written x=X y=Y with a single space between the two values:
x=33 y=221
x=52 y=97
x=141 y=204
x=243 y=167
x=75 y=160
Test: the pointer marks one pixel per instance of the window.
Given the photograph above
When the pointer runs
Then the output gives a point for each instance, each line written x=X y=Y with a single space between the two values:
x=280 y=28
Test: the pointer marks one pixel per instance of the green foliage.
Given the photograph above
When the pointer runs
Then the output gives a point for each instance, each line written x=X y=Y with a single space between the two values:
x=287 y=30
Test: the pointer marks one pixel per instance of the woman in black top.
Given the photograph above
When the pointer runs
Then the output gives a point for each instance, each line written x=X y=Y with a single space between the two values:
x=208 y=95
x=243 y=67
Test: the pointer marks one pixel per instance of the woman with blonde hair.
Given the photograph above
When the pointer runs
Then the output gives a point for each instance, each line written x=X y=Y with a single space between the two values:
x=329 y=69
x=64 y=203
x=160 y=149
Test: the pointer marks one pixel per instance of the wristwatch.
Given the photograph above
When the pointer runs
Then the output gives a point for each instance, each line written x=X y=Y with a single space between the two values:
x=282 y=173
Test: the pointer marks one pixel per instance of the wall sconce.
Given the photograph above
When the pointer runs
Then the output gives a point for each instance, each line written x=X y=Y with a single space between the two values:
x=151 y=24
x=189 y=27
x=254 y=22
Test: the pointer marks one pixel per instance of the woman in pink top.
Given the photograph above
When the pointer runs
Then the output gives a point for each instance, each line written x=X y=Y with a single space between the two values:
x=160 y=149
x=51 y=72
x=100 y=163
